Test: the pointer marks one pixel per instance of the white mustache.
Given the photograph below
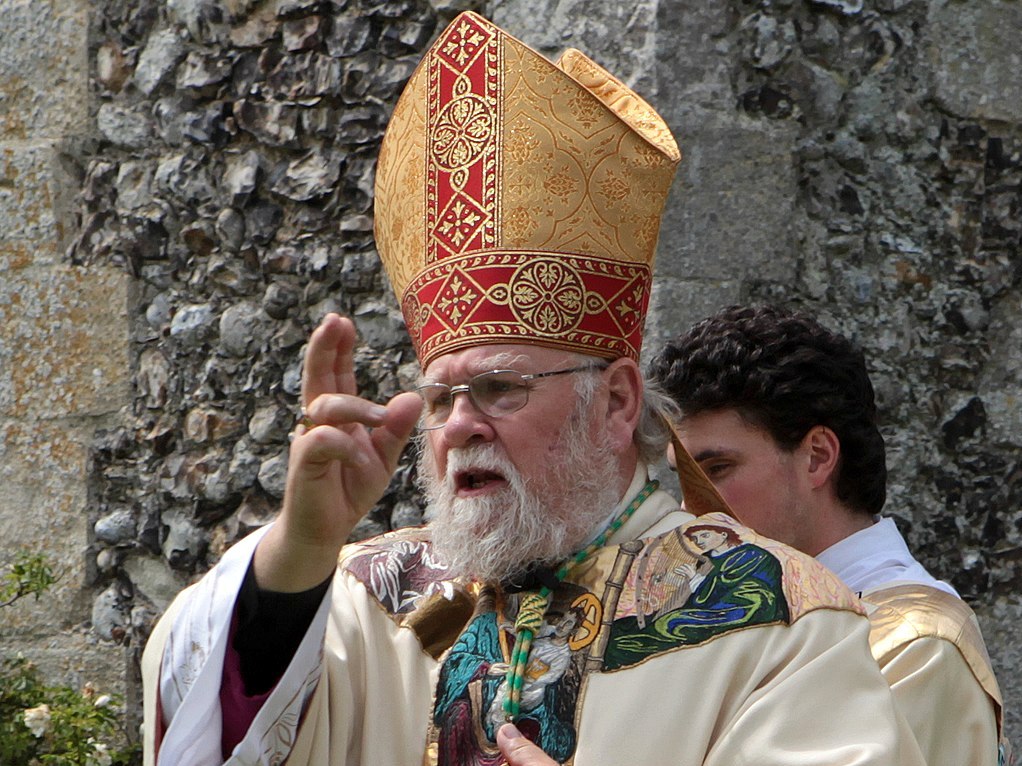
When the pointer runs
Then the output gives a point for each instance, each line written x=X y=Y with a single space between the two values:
x=482 y=457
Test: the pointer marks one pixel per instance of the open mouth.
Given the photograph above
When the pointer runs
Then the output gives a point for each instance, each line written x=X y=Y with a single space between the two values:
x=475 y=480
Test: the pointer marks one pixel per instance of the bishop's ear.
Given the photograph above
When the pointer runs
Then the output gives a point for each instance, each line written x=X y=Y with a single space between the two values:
x=823 y=449
x=624 y=400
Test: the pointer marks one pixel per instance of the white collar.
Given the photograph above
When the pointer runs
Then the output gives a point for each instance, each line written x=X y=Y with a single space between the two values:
x=877 y=556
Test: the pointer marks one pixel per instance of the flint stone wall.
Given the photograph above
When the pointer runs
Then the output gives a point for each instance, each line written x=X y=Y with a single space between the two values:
x=64 y=361
x=859 y=160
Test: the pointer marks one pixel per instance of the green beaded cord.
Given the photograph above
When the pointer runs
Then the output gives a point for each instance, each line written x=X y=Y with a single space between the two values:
x=534 y=606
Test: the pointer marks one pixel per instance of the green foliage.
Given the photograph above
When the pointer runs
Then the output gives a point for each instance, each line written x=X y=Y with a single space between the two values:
x=58 y=725
x=29 y=575
x=43 y=725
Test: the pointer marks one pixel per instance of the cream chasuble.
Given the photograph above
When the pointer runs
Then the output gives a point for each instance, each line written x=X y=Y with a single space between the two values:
x=929 y=647
x=931 y=652
x=655 y=651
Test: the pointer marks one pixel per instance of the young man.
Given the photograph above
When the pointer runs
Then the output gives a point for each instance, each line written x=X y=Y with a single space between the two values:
x=779 y=413
x=517 y=210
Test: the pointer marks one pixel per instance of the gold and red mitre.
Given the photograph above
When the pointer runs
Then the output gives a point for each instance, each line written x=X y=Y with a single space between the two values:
x=519 y=200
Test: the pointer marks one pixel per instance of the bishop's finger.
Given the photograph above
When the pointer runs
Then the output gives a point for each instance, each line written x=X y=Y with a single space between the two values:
x=390 y=438
x=341 y=410
x=329 y=365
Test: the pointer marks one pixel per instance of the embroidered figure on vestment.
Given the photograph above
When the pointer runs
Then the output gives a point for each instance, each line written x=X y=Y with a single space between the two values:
x=666 y=593
x=470 y=696
x=731 y=584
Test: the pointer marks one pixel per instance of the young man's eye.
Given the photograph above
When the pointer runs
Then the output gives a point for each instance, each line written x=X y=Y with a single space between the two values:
x=714 y=470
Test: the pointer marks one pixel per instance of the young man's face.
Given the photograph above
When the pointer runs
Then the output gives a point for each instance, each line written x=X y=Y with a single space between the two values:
x=764 y=484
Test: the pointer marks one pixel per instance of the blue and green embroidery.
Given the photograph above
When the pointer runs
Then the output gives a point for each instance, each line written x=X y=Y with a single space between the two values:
x=738 y=584
x=680 y=589
x=472 y=688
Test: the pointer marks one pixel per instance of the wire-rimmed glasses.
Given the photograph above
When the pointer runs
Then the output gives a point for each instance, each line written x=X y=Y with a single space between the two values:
x=495 y=393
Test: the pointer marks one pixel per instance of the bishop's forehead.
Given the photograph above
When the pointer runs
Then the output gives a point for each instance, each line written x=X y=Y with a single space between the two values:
x=485 y=358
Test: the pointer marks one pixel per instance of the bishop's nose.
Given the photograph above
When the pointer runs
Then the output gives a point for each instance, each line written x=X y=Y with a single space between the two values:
x=466 y=423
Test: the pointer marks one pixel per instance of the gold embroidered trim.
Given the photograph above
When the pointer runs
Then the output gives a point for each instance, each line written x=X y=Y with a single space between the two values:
x=904 y=613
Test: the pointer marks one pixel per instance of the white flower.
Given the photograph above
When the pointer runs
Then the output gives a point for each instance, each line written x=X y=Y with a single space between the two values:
x=38 y=719
x=102 y=700
x=100 y=756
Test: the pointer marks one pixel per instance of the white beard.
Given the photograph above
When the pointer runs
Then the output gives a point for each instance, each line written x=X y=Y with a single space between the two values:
x=543 y=521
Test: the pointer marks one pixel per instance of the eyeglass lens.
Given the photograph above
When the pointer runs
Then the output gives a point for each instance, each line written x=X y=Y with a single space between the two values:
x=495 y=393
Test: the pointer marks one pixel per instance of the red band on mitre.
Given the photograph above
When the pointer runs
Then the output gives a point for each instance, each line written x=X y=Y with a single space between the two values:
x=576 y=302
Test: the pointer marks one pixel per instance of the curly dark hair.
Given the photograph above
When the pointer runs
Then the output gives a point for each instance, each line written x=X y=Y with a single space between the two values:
x=784 y=372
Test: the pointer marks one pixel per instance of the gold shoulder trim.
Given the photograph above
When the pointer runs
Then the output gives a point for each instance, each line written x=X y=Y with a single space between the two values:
x=901 y=614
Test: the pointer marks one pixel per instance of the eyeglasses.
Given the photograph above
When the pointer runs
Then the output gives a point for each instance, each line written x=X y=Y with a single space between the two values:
x=495 y=393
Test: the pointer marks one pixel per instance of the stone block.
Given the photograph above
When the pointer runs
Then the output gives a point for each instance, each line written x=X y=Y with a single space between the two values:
x=621 y=37
x=1000 y=382
x=154 y=579
x=730 y=212
x=677 y=304
x=74 y=659
x=44 y=513
x=32 y=185
x=162 y=52
x=42 y=471
x=44 y=68
x=1004 y=411
x=43 y=507
x=976 y=56
x=693 y=61
x=63 y=342
x=17 y=254
x=31 y=447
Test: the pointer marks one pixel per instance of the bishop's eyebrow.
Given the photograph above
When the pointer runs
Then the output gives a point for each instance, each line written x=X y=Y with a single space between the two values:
x=505 y=360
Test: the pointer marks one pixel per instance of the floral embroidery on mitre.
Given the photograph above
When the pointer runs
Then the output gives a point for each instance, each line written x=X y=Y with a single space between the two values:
x=463 y=140
x=592 y=304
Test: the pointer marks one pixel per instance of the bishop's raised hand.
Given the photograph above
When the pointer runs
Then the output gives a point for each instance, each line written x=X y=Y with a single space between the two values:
x=341 y=460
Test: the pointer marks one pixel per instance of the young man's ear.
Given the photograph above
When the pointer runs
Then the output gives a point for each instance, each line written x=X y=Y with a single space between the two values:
x=823 y=450
x=624 y=402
